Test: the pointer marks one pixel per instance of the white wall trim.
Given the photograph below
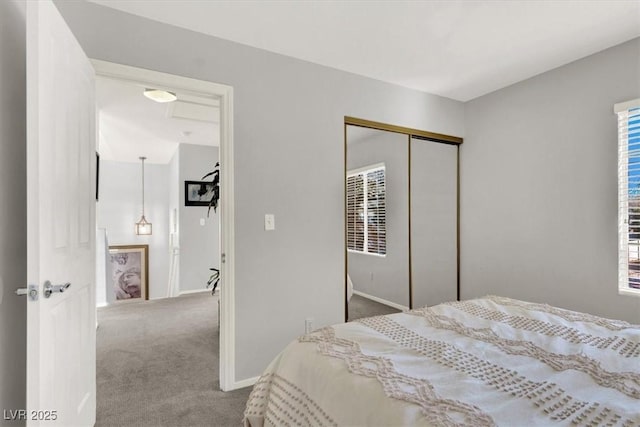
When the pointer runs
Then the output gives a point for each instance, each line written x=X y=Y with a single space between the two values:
x=246 y=383
x=365 y=168
x=224 y=94
x=381 y=301
x=624 y=106
x=193 y=291
x=629 y=292
x=227 y=245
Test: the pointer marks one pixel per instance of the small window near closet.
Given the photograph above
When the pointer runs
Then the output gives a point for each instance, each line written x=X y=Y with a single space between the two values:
x=366 y=210
x=629 y=197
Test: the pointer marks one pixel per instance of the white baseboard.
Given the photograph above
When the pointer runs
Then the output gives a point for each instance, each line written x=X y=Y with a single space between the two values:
x=381 y=301
x=244 y=383
x=194 y=291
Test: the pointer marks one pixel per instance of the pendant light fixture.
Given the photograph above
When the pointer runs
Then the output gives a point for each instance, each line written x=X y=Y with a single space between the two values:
x=143 y=227
x=160 y=95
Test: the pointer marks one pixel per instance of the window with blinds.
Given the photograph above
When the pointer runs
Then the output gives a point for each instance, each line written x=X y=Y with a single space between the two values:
x=629 y=197
x=366 y=210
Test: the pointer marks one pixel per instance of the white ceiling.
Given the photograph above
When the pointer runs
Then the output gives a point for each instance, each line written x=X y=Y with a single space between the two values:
x=131 y=125
x=458 y=49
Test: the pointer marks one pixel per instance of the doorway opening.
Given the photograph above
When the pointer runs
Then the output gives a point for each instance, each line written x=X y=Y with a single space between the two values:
x=200 y=99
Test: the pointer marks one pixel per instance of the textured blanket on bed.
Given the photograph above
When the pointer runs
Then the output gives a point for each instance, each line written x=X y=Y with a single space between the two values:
x=482 y=362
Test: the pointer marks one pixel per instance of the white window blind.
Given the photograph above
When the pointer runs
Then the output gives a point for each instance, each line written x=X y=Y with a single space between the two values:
x=366 y=211
x=355 y=212
x=629 y=197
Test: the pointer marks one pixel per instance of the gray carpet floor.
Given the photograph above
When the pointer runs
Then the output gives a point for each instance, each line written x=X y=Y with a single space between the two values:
x=157 y=365
x=360 y=307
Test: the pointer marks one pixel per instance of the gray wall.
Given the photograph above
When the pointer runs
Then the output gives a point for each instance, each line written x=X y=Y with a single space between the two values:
x=384 y=277
x=120 y=207
x=199 y=244
x=539 y=187
x=289 y=161
x=13 y=233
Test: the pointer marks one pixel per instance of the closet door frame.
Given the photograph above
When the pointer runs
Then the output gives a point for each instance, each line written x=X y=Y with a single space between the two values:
x=410 y=133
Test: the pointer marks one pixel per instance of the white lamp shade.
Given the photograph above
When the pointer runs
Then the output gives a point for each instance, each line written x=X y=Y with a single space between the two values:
x=143 y=227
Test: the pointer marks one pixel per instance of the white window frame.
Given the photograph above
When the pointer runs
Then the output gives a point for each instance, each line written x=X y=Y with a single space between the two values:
x=364 y=171
x=622 y=110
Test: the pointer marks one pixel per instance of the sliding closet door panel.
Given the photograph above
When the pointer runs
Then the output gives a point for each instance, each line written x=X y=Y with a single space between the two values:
x=434 y=258
x=381 y=270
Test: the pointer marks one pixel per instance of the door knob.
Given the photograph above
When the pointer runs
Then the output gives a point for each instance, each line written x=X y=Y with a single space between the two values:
x=49 y=288
x=32 y=291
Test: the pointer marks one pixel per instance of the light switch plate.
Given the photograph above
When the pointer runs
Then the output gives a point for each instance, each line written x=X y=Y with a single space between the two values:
x=269 y=222
x=202 y=221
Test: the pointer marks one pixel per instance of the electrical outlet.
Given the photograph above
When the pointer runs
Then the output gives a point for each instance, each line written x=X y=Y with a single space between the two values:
x=308 y=325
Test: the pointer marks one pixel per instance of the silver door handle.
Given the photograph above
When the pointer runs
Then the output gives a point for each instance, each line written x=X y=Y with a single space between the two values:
x=49 y=288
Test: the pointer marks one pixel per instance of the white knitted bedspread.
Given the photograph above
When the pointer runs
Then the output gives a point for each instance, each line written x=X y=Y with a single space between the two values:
x=488 y=361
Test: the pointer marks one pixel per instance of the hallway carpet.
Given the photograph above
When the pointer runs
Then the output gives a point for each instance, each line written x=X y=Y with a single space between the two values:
x=157 y=365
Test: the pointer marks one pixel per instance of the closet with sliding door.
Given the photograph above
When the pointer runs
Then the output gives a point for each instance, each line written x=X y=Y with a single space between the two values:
x=401 y=216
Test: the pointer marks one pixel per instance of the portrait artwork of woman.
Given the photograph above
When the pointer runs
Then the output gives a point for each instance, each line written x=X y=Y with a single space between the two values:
x=127 y=265
x=129 y=284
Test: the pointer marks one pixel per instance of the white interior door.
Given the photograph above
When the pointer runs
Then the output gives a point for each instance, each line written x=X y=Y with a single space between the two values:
x=61 y=223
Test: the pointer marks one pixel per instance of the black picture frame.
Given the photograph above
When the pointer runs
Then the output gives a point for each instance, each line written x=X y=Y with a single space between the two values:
x=197 y=193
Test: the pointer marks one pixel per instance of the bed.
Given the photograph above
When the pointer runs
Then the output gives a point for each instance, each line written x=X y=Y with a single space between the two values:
x=482 y=362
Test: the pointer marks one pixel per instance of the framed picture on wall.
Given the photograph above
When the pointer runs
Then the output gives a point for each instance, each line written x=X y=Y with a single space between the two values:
x=128 y=267
x=197 y=193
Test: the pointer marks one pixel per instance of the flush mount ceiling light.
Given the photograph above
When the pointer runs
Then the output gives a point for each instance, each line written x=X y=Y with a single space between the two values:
x=159 y=95
x=143 y=227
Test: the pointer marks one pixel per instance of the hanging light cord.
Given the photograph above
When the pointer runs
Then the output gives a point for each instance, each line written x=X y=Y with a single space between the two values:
x=142 y=158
